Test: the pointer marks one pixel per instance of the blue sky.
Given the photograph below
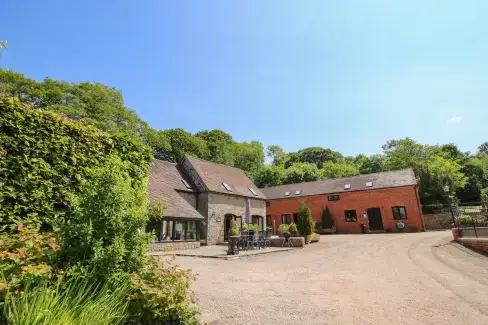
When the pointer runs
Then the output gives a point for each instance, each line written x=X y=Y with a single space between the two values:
x=348 y=75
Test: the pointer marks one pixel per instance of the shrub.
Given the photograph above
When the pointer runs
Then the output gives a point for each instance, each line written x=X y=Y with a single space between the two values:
x=75 y=303
x=465 y=219
x=327 y=221
x=26 y=255
x=292 y=228
x=283 y=228
x=250 y=226
x=103 y=235
x=160 y=295
x=315 y=238
x=45 y=158
x=305 y=223
x=233 y=230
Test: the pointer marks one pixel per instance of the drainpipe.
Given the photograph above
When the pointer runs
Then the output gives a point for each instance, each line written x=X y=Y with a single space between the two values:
x=415 y=188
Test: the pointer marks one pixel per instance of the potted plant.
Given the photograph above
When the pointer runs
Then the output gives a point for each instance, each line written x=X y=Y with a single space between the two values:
x=292 y=228
x=233 y=239
x=328 y=224
x=283 y=228
x=305 y=223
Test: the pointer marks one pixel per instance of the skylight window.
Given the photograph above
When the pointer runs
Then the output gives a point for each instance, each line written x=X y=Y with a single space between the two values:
x=347 y=186
x=369 y=184
x=253 y=191
x=287 y=193
x=186 y=183
x=227 y=187
x=297 y=192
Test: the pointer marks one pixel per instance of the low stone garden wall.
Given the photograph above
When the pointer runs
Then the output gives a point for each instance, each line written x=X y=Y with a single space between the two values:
x=466 y=237
x=478 y=244
x=438 y=221
x=295 y=241
x=173 y=245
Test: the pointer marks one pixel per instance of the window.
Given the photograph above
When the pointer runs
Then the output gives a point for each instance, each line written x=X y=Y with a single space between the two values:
x=347 y=186
x=399 y=213
x=286 y=219
x=334 y=198
x=170 y=230
x=287 y=193
x=295 y=217
x=268 y=220
x=227 y=187
x=185 y=183
x=258 y=221
x=268 y=203
x=369 y=184
x=253 y=191
x=297 y=192
x=350 y=215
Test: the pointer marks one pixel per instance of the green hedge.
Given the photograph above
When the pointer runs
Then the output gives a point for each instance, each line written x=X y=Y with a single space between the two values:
x=44 y=158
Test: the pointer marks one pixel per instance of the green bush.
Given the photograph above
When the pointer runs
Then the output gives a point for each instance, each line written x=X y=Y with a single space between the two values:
x=305 y=223
x=45 y=158
x=292 y=228
x=283 y=228
x=465 y=219
x=327 y=221
x=233 y=230
x=250 y=226
x=73 y=303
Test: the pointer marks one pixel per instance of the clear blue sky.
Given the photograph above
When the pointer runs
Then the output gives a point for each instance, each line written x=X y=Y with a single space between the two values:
x=348 y=75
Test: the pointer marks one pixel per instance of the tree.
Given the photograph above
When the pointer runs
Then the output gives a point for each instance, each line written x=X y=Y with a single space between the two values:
x=183 y=142
x=483 y=148
x=249 y=156
x=318 y=156
x=339 y=169
x=219 y=146
x=327 y=221
x=403 y=153
x=305 y=223
x=3 y=46
x=372 y=164
x=292 y=158
x=269 y=176
x=278 y=155
x=301 y=172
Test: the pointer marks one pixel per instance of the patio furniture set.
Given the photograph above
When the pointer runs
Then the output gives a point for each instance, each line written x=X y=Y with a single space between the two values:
x=248 y=240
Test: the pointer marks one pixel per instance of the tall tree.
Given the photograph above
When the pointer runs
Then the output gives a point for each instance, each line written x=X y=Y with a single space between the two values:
x=183 y=142
x=249 y=156
x=219 y=145
x=301 y=172
x=318 y=156
x=403 y=153
x=483 y=148
x=339 y=169
x=269 y=176
x=278 y=155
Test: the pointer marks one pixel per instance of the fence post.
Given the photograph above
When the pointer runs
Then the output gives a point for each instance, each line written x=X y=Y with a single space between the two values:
x=474 y=227
x=452 y=215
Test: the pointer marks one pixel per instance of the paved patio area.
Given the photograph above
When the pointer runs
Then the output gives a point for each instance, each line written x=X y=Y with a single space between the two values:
x=220 y=252
x=381 y=279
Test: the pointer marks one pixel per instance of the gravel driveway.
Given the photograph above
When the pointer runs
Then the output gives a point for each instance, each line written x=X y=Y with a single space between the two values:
x=349 y=279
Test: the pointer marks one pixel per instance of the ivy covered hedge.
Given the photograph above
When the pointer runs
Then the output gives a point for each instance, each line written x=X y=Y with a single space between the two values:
x=45 y=158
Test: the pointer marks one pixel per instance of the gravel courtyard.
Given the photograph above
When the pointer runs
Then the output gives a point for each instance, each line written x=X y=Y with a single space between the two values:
x=349 y=279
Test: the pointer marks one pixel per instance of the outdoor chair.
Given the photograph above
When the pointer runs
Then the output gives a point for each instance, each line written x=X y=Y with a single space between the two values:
x=253 y=240
x=263 y=241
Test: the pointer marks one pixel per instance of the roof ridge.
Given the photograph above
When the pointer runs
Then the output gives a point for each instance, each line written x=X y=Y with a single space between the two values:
x=213 y=162
x=338 y=178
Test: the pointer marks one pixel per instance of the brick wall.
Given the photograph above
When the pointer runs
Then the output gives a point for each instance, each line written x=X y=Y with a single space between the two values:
x=171 y=246
x=360 y=201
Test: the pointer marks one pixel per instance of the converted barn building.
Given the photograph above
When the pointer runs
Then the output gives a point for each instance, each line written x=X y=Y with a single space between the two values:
x=381 y=202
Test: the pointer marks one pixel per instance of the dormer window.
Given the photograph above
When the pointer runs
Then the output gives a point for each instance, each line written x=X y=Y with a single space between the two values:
x=297 y=192
x=369 y=184
x=186 y=184
x=347 y=186
x=287 y=193
x=253 y=191
x=227 y=187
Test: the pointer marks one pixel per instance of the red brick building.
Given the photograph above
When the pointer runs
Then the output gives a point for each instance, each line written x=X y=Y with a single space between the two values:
x=379 y=201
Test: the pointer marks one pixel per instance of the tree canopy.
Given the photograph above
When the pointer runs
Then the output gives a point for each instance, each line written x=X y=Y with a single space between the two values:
x=466 y=174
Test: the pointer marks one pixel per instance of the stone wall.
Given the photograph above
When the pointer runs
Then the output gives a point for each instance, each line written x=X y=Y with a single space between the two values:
x=278 y=242
x=175 y=245
x=219 y=205
x=469 y=232
x=478 y=244
x=438 y=221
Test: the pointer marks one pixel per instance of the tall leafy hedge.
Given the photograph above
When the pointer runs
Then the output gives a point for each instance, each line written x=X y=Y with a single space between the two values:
x=45 y=157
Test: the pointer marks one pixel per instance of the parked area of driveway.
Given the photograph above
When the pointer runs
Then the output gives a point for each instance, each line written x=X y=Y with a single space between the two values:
x=391 y=279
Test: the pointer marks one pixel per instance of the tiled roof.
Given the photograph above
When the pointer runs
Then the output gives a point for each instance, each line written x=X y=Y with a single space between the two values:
x=164 y=179
x=215 y=175
x=395 y=178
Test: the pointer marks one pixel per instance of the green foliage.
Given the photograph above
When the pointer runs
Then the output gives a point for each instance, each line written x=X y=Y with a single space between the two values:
x=315 y=238
x=233 y=230
x=26 y=255
x=155 y=210
x=484 y=196
x=160 y=295
x=250 y=226
x=305 y=223
x=277 y=154
x=249 y=156
x=292 y=228
x=301 y=172
x=103 y=235
x=220 y=146
x=465 y=219
x=3 y=46
x=318 y=156
x=283 y=228
x=76 y=303
x=327 y=221
x=269 y=176
x=340 y=169
x=45 y=158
